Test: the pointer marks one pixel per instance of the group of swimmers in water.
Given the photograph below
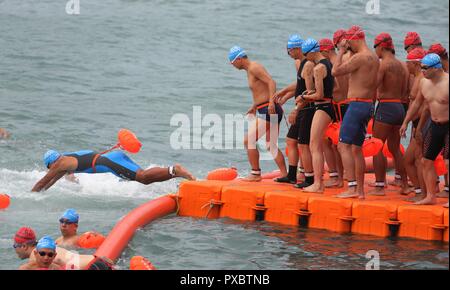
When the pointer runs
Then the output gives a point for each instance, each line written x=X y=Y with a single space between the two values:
x=339 y=80
x=343 y=81
x=49 y=254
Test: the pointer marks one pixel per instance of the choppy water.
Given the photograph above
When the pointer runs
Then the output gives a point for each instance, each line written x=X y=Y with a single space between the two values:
x=70 y=82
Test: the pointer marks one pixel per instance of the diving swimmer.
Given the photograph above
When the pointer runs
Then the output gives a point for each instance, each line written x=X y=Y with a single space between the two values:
x=115 y=162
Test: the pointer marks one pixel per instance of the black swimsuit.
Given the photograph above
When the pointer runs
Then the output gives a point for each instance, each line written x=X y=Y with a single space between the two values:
x=328 y=86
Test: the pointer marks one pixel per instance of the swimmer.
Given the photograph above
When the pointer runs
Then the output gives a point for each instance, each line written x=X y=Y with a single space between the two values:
x=44 y=254
x=413 y=154
x=324 y=115
x=412 y=41
x=269 y=113
x=438 y=49
x=393 y=78
x=340 y=102
x=297 y=116
x=25 y=244
x=362 y=68
x=4 y=134
x=433 y=91
x=68 y=225
x=115 y=162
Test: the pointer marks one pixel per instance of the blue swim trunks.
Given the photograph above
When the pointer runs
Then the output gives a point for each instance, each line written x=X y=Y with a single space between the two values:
x=354 y=126
x=390 y=113
x=263 y=112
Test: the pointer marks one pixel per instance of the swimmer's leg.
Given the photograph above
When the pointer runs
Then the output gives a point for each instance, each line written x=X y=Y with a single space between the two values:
x=256 y=130
x=159 y=174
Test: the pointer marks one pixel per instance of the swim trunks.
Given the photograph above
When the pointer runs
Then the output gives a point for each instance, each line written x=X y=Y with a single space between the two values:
x=304 y=120
x=327 y=108
x=354 y=125
x=435 y=140
x=391 y=113
x=115 y=162
x=263 y=112
x=340 y=109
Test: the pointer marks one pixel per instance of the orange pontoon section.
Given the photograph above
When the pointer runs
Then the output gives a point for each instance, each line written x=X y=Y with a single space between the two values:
x=384 y=216
x=124 y=230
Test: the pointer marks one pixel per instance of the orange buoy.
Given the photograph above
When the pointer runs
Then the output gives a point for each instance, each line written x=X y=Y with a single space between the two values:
x=439 y=165
x=225 y=174
x=370 y=127
x=141 y=263
x=90 y=240
x=371 y=147
x=128 y=141
x=332 y=132
x=388 y=153
x=4 y=201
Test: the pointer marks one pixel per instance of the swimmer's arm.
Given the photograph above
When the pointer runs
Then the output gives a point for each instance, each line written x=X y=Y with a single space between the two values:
x=289 y=90
x=48 y=180
x=319 y=75
x=343 y=68
x=308 y=71
x=297 y=64
x=423 y=118
x=55 y=179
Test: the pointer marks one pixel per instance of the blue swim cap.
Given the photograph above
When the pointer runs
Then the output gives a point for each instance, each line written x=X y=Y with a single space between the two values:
x=432 y=60
x=235 y=53
x=46 y=243
x=50 y=157
x=70 y=215
x=295 y=41
x=310 y=45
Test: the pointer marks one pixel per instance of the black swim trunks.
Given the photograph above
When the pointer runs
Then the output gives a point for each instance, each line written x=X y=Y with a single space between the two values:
x=263 y=112
x=435 y=141
x=327 y=108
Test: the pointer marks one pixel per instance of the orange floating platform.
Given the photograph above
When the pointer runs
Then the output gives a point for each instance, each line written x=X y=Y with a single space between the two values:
x=382 y=216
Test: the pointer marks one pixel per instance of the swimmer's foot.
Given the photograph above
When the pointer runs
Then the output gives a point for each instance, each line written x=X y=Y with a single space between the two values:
x=350 y=195
x=180 y=171
x=378 y=191
x=285 y=180
x=334 y=183
x=427 y=201
x=315 y=188
x=416 y=198
x=406 y=190
x=252 y=178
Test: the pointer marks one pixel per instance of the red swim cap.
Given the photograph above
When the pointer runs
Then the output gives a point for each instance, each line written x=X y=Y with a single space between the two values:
x=326 y=44
x=412 y=38
x=384 y=40
x=416 y=54
x=338 y=36
x=355 y=33
x=25 y=235
x=438 y=49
